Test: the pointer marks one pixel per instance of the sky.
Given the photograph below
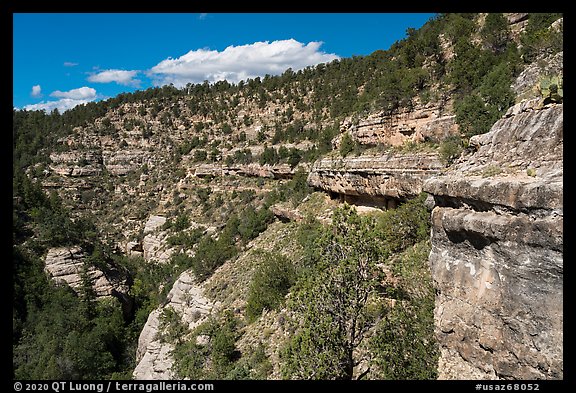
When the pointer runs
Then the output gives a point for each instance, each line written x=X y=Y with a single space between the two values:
x=63 y=60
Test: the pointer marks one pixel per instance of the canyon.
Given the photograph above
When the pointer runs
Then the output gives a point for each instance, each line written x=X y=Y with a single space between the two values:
x=496 y=215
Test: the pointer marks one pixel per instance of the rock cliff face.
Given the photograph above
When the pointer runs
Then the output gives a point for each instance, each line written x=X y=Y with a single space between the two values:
x=379 y=181
x=67 y=265
x=153 y=356
x=429 y=121
x=281 y=171
x=497 y=256
x=154 y=246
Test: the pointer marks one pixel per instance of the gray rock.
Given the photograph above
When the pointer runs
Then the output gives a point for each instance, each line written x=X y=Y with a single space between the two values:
x=375 y=180
x=497 y=252
x=67 y=265
x=153 y=355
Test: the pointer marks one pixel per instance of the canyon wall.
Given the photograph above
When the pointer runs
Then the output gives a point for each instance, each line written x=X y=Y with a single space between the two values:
x=380 y=181
x=497 y=251
x=433 y=120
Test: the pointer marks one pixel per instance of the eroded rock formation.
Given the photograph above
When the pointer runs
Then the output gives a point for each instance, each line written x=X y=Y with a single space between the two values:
x=429 y=121
x=280 y=171
x=67 y=265
x=154 y=245
x=153 y=356
x=497 y=256
x=379 y=181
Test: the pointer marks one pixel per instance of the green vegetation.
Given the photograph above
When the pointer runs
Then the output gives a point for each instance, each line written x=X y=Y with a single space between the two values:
x=57 y=333
x=211 y=352
x=400 y=345
x=271 y=282
x=211 y=253
x=450 y=149
x=332 y=302
x=539 y=39
x=551 y=89
x=347 y=145
x=341 y=297
x=217 y=358
x=491 y=170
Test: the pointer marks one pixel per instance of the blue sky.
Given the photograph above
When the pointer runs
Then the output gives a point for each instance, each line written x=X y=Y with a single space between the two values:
x=61 y=60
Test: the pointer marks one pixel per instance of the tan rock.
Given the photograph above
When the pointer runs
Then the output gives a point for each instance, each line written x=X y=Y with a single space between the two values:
x=67 y=265
x=375 y=180
x=497 y=252
x=433 y=121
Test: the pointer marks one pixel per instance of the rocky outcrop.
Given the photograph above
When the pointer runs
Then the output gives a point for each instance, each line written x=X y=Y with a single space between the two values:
x=379 y=181
x=284 y=213
x=430 y=121
x=154 y=246
x=516 y=17
x=67 y=265
x=91 y=162
x=76 y=163
x=525 y=85
x=153 y=355
x=497 y=251
x=280 y=171
x=124 y=161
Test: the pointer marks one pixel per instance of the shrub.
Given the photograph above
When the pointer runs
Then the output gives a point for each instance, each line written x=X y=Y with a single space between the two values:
x=271 y=282
x=450 y=149
x=405 y=226
x=200 y=155
x=347 y=144
x=211 y=254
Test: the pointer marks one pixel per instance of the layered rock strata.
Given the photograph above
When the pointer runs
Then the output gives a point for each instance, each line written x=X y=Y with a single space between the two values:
x=380 y=181
x=429 y=121
x=281 y=171
x=497 y=251
x=67 y=265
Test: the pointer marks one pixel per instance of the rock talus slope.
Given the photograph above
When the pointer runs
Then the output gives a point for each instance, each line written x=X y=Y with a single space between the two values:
x=497 y=251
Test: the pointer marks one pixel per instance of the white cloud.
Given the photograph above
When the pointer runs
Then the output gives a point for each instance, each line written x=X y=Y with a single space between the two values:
x=68 y=100
x=36 y=91
x=82 y=93
x=236 y=63
x=70 y=64
x=62 y=105
x=202 y=16
x=121 y=77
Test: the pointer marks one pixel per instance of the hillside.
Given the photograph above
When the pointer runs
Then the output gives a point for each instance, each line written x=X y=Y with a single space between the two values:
x=200 y=232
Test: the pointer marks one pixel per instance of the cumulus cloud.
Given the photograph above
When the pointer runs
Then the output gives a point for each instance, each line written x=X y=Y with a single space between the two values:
x=70 y=64
x=36 y=91
x=82 y=93
x=236 y=63
x=68 y=100
x=62 y=105
x=122 y=77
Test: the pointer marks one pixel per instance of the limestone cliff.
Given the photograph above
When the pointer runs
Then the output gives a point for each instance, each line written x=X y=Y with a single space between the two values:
x=375 y=180
x=153 y=356
x=425 y=121
x=497 y=251
x=154 y=245
x=67 y=265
